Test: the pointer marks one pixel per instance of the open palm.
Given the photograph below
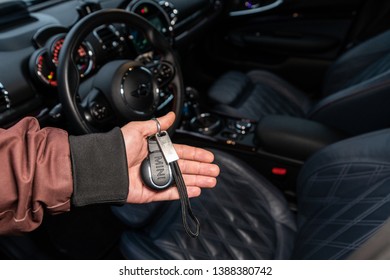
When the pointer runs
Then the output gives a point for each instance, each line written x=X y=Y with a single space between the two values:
x=195 y=163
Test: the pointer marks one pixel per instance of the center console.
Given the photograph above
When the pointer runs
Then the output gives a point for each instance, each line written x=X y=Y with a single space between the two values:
x=225 y=131
x=211 y=130
x=216 y=129
x=276 y=146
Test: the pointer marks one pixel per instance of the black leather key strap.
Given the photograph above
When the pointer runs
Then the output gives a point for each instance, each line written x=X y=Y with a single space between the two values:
x=186 y=210
x=171 y=157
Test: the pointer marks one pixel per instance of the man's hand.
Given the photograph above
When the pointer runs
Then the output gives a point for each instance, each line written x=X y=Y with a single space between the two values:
x=195 y=163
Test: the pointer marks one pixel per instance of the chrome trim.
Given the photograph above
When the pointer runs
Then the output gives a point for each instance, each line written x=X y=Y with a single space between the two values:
x=4 y=94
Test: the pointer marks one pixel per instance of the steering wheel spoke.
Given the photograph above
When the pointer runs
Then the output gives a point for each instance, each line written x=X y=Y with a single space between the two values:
x=97 y=111
x=163 y=72
x=166 y=98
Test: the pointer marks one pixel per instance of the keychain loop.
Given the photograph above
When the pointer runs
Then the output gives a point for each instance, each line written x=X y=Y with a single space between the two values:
x=158 y=126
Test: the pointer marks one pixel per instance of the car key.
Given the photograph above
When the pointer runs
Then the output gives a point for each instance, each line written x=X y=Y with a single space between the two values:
x=155 y=172
x=171 y=157
x=160 y=169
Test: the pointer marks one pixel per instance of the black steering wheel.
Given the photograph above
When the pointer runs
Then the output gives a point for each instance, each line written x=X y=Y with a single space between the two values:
x=122 y=90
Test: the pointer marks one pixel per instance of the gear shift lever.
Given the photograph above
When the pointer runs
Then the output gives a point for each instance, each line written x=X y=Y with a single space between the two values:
x=204 y=123
x=193 y=97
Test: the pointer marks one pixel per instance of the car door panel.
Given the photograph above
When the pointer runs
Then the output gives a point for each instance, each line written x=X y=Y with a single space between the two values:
x=304 y=38
x=296 y=38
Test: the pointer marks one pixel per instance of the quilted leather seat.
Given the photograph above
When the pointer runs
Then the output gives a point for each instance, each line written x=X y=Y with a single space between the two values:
x=343 y=199
x=354 y=93
x=239 y=220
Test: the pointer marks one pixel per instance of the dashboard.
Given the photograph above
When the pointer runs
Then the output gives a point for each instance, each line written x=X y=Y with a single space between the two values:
x=31 y=38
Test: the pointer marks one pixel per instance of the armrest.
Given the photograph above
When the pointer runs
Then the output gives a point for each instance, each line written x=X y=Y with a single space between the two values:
x=294 y=137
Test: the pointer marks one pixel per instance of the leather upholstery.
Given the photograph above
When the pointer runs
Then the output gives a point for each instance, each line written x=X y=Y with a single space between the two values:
x=355 y=92
x=343 y=199
x=244 y=217
x=257 y=94
x=361 y=63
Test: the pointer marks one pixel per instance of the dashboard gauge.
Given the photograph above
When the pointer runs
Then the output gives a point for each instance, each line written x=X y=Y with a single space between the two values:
x=84 y=57
x=43 y=68
x=161 y=16
x=44 y=61
x=140 y=43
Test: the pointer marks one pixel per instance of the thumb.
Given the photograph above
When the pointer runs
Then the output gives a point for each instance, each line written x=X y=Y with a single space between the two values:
x=150 y=127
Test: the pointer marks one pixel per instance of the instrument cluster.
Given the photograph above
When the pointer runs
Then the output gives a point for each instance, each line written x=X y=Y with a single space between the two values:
x=107 y=42
x=44 y=61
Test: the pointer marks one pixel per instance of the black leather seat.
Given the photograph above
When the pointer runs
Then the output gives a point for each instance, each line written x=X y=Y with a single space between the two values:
x=355 y=92
x=343 y=199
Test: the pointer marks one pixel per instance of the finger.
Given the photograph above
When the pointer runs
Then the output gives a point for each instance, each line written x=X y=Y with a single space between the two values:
x=194 y=153
x=199 y=181
x=149 y=127
x=193 y=192
x=198 y=168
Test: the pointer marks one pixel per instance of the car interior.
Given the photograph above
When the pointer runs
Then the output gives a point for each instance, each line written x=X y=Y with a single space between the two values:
x=291 y=96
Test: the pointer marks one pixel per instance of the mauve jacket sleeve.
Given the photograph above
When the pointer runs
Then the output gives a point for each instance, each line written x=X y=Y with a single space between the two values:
x=35 y=175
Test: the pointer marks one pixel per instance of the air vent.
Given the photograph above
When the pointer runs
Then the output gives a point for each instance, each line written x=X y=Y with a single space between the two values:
x=108 y=37
x=5 y=103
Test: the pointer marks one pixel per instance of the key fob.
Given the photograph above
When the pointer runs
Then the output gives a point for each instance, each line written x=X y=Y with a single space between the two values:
x=161 y=168
x=155 y=172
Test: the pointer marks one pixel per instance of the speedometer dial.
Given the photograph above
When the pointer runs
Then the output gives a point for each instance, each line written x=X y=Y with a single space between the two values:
x=161 y=15
x=43 y=69
x=44 y=61
x=84 y=57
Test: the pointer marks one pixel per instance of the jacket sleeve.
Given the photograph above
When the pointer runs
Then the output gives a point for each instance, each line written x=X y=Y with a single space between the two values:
x=42 y=170
x=99 y=168
x=35 y=175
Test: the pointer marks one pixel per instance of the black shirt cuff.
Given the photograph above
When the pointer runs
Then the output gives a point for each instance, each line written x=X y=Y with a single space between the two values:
x=99 y=167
